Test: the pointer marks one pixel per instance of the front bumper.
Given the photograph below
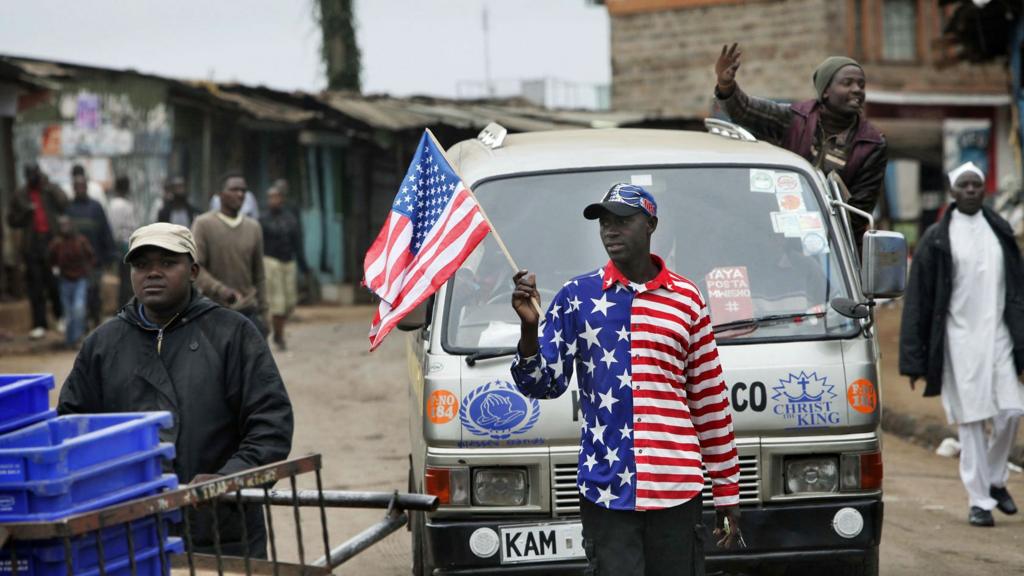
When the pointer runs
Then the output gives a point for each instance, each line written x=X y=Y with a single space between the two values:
x=775 y=534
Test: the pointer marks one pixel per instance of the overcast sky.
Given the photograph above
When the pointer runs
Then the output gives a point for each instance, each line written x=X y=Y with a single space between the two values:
x=408 y=46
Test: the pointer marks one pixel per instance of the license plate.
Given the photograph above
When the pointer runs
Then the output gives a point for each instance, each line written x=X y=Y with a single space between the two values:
x=541 y=542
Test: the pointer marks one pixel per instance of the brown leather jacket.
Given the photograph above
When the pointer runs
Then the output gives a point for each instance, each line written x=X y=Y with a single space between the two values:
x=795 y=127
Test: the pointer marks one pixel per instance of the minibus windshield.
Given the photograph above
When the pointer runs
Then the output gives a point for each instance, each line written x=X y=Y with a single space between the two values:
x=755 y=240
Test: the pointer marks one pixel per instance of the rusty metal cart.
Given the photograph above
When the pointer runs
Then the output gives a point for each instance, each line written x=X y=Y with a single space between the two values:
x=251 y=487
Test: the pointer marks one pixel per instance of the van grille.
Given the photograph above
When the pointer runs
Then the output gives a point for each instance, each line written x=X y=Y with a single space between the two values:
x=565 y=495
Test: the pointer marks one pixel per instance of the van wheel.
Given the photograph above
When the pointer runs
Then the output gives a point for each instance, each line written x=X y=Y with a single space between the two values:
x=417 y=526
x=420 y=565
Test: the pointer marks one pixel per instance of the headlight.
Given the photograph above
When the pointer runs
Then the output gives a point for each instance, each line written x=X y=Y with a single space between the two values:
x=499 y=486
x=818 y=474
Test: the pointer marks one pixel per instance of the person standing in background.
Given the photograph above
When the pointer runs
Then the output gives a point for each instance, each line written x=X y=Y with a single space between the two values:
x=72 y=255
x=304 y=281
x=177 y=210
x=282 y=241
x=123 y=221
x=34 y=208
x=229 y=248
x=250 y=207
x=90 y=220
x=93 y=188
x=963 y=332
x=166 y=197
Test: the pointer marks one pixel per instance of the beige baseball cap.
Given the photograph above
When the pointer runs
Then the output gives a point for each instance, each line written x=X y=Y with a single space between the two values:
x=171 y=237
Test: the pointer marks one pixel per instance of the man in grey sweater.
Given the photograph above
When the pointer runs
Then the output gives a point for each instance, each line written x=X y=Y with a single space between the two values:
x=230 y=254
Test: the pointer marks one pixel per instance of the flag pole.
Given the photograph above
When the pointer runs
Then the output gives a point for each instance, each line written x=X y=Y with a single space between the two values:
x=494 y=231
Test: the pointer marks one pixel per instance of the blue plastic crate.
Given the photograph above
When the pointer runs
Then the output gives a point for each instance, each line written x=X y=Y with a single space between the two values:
x=59 y=447
x=24 y=400
x=101 y=485
x=46 y=557
x=147 y=562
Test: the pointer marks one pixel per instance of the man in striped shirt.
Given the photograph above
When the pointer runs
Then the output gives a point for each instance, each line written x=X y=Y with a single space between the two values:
x=653 y=399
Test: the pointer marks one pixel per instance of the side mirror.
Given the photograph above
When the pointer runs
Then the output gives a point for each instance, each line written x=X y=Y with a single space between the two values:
x=883 y=273
x=418 y=317
x=851 y=308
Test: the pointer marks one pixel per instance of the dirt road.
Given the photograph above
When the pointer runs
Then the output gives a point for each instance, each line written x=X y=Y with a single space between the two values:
x=351 y=407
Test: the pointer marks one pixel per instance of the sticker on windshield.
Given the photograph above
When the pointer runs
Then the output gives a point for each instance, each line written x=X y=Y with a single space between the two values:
x=762 y=180
x=814 y=243
x=811 y=222
x=787 y=182
x=729 y=294
x=641 y=179
x=787 y=224
x=790 y=201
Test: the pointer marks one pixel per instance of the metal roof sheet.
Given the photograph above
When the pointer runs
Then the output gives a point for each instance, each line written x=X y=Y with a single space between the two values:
x=516 y=115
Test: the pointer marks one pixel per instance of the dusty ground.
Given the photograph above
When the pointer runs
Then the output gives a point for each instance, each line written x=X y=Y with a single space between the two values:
x=351 y=407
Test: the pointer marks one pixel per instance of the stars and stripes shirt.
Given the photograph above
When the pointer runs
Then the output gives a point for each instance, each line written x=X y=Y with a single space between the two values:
x=652 y=396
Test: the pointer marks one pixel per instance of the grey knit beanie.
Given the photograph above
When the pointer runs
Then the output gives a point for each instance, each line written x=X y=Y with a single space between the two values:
x=826 y=70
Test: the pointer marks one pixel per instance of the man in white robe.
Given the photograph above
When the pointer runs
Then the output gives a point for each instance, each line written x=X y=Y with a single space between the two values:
x=956 y=317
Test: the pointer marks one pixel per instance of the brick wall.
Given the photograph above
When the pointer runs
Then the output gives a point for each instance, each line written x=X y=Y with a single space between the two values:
x=663 y=61
x=962 y=78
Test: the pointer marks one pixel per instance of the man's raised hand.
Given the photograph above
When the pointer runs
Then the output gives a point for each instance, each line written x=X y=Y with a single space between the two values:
x=726 y=66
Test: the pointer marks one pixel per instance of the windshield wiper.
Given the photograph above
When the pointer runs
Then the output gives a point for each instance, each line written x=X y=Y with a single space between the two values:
x=761 y=320
x=489 y=353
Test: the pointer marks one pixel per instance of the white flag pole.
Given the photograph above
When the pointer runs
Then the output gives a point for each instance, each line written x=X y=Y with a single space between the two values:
x=494 y=231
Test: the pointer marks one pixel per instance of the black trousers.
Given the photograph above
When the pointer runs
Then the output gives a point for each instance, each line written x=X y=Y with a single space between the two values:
x=94 y=303
x=649 y=543
x=40 y=281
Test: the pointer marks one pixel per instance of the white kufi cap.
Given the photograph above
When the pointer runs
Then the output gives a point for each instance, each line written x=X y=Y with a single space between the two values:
x=962 y=169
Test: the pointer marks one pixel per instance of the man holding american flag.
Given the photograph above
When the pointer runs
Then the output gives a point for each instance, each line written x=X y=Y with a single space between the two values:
x=434 y=224
x=652 y=397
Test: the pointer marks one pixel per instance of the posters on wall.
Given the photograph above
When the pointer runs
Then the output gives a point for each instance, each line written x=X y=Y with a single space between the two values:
x=87 y=111
x=966 y=140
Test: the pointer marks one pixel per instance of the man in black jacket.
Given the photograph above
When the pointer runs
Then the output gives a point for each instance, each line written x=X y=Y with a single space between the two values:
x=173 y=349
x=963 y=332
x=178 y=210
x=90 y=219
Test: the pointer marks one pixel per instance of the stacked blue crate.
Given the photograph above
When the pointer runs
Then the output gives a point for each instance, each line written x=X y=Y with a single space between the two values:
x=24 y=400
x=73 y=464
x=46 y=558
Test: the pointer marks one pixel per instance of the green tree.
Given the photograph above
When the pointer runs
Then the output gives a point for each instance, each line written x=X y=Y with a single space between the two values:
x=339 y=49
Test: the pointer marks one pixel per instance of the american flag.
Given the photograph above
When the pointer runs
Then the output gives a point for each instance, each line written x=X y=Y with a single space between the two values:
x=434 y=224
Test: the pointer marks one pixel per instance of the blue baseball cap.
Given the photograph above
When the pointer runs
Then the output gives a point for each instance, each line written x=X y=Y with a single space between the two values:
x=623 y=200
